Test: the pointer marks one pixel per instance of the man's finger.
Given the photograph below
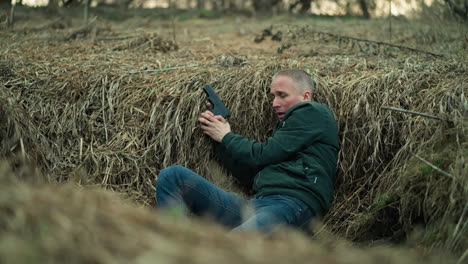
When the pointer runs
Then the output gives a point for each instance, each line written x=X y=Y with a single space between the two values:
x=206 y=116
x=205 y=129
x=209 y=106
x=203 y=120
x=208 y=113
x=220 y=118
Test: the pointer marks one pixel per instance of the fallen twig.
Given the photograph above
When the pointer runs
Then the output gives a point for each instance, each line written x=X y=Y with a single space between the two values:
x=115 y=38
x=362 y=44
x=415 y=113
x=172 y=68
x=378 y=43
x=82 y=31
x=434 y=166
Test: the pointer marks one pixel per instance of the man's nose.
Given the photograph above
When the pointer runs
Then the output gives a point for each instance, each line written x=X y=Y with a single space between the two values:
x=275 y=103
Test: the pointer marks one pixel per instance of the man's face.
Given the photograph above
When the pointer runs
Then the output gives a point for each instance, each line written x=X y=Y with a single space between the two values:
x=285 y=95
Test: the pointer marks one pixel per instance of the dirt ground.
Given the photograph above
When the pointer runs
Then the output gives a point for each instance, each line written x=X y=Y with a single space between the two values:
x=202 y=40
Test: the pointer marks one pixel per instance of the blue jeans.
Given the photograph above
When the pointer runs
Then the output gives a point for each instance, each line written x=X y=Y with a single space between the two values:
x=179 y=186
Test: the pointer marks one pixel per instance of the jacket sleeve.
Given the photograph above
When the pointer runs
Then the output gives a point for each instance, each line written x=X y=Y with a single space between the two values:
x=299 y=131
x=243 y=173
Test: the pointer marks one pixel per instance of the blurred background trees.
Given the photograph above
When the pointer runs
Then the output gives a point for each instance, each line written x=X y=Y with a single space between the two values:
x=365 y=8
x=458 y=7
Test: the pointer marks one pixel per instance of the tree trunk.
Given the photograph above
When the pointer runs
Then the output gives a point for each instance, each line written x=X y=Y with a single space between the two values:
x=6 y=4
x=364 y=8
x=306 y=4
x=172 y=4
x=5 y=7
x=264 y=6
x=124 y=4
x=11 y=16
x=226 y=4
x=460 y=9
x=86 y=11
x=215 y=5
x=200 y=4
x=241 y=4
x=348 y=8
x=52 y=7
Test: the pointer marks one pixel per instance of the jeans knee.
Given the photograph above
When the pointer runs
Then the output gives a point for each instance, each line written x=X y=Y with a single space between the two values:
x=168 y=175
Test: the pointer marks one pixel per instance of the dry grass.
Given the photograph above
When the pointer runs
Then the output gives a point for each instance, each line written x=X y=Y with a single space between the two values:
x=44 y=223
x=86 y=112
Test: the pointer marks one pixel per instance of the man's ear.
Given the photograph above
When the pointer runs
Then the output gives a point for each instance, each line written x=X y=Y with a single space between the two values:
x=307 y=96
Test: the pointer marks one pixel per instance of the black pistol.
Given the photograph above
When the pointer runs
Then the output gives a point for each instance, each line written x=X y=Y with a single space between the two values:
x=218 y=106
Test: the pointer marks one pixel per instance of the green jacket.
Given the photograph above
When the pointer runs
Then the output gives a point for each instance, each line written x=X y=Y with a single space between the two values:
x=298 y=160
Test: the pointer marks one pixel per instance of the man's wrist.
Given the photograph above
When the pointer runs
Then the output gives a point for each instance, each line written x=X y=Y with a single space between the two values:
x=225 y=137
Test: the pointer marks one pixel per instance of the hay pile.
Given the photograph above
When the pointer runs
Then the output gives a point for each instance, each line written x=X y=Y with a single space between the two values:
x=97 y=117
x=377 y=191
x=44 y=223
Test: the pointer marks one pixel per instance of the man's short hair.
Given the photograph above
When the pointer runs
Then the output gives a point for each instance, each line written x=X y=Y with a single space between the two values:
x=302 y=80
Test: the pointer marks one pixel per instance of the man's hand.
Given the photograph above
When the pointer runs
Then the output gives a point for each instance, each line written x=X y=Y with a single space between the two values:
x=215 y=127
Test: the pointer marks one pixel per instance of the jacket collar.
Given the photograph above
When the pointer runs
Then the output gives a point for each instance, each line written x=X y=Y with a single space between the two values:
x=294 y=108
x=290 y=111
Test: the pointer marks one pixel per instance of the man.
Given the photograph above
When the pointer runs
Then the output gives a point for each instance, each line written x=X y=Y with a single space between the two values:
x=291 y=173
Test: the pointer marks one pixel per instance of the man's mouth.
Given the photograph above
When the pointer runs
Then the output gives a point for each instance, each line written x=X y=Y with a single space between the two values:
x=280 y=115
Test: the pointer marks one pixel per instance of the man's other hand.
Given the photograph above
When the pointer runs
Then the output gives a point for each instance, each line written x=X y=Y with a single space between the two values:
x=215 y=127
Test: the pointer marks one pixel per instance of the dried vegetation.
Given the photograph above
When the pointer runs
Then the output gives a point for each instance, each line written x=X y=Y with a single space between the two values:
x=51 y=223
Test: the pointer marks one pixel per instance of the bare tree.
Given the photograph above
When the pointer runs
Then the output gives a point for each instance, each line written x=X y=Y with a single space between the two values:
x=226 y=4
x=68 y=3
x=305 y=5
x=86 y=11
x=215 y=5
x=52 y=6
x=6 y=4
x=265 y=6
x=200 y=4
x=124 y=4
x=10 y=7
x=172 y=3
x=458 y=7
x=364 y=8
